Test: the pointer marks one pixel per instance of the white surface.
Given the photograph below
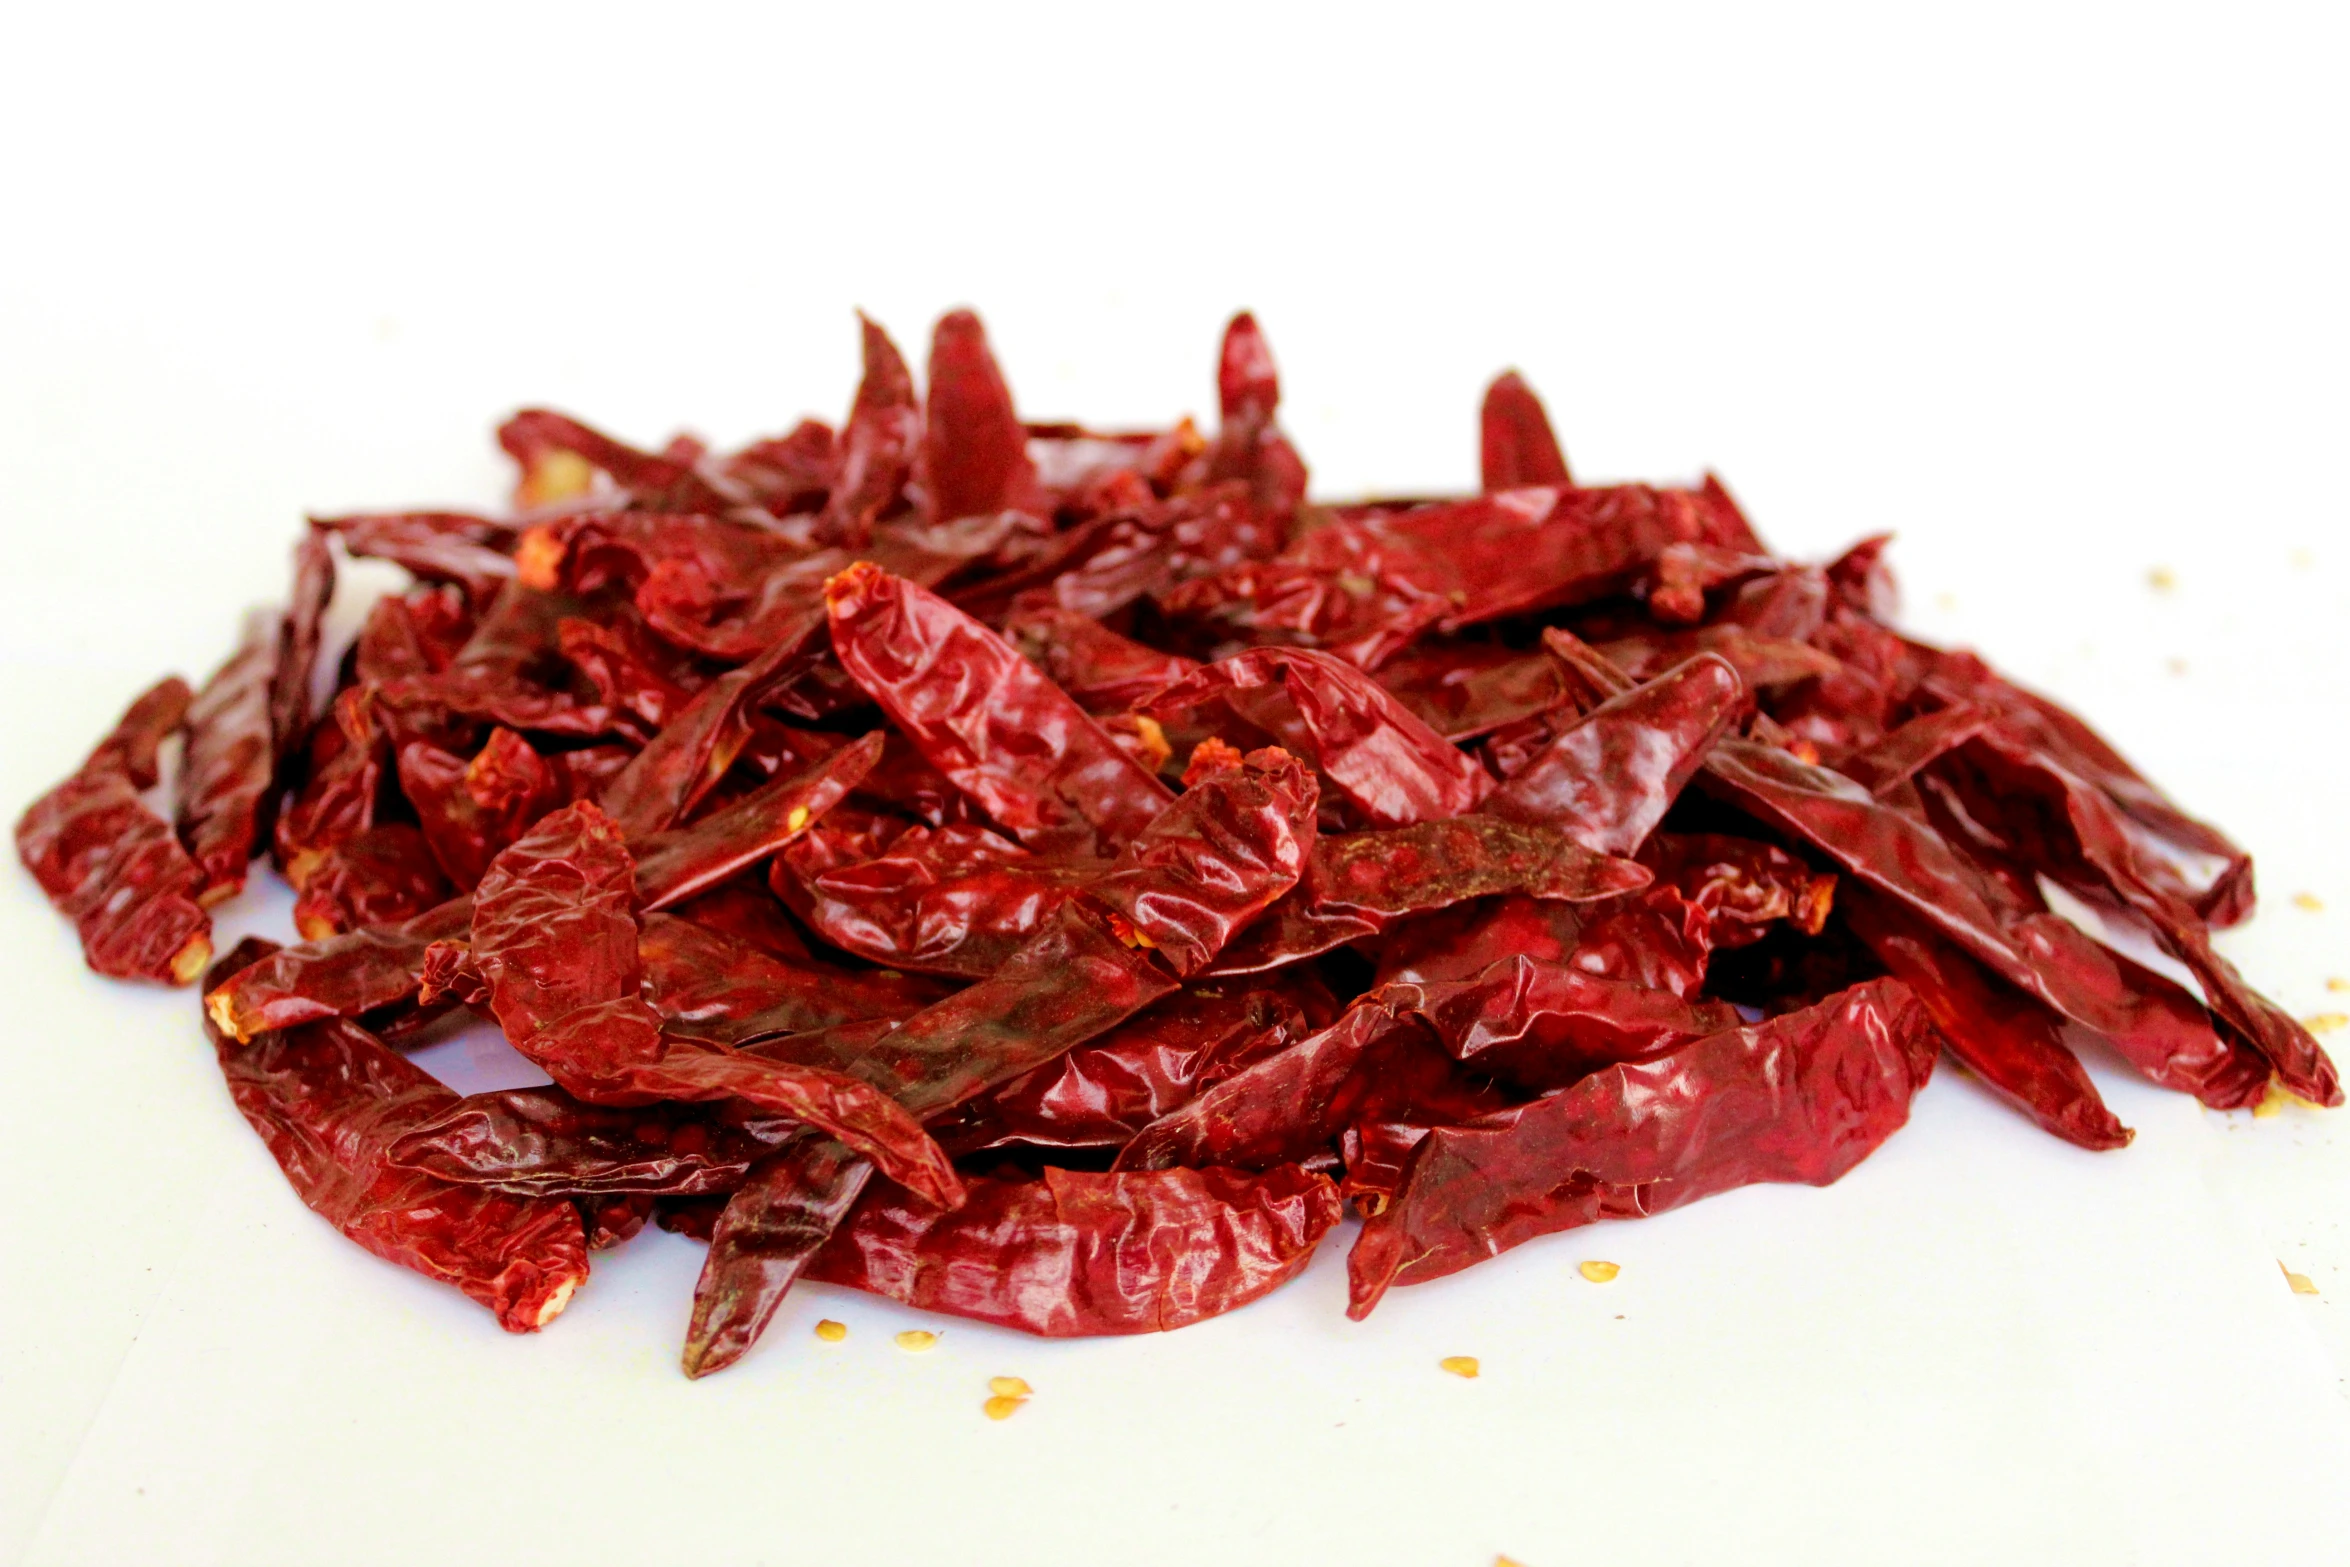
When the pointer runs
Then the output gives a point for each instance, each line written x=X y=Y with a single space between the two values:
x=2055 y=293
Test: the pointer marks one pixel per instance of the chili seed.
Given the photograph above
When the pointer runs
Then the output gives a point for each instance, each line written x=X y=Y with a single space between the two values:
x=1001 y=1407
x=2338 y=984
x=2299 y=1283
x=915 y=1340
x=2310 y=901
x=2326 y=1022
x=1008 y=1387
x=1598 y=1272
x=797 y=819
x=2161 y=580
x=832 y=1332
x=1459 y=1365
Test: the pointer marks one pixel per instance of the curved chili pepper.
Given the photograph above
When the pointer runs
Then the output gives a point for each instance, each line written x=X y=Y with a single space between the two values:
x=470 y=810
x=297 y=644
x=556 y=942
x=1802 y=1097
x=113 y=866
x=678 y=864
x=878 y=445
x=789 y=1205
x=229 y=768
x=343 y=976
x=1083 y=1253
x=329 y=1100
x=1609 y=778
x=708 y=985
x=985 y=716
x=974 y=454
x=543 y=1142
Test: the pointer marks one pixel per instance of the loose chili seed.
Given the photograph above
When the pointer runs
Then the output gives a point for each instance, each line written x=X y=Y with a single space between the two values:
x=2299 y=1283
x=1459 y=1365
x=832 y=1332
x=916 y=1340
x=2161 y=579
x=2310 y=901
x=805 y=812
x=2338 y=984
x=1001 y=1406
x=1598 y=1272
x=2326 y=1022
x=1008 y=1387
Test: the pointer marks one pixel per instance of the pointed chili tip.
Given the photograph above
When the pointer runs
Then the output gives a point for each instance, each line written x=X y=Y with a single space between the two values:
x=1246 y=381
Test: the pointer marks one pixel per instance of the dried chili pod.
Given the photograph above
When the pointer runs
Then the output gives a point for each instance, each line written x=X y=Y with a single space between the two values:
x=1545 y=1025
x=557 y=453
x=787 y=1208
x=1745 y=885
x=469 y=810
x=984 y=716
x=329 y=1100
x=343 y=976
x=1802 y=1097
x=1214 y=860
x=348 y=757
x=685 y=861
x=555 y=939
x=1077 y=1253
x=297 y=644
x=1515 y=445
x=2067 y=829
x=877 y=446
x=1357 y=885
x=1249 y=445
x=1373 y=750
x=956 y=899
x=113 y=866
x=544 y=1142
x=680 y=766
x=1100 y=670
x=381 y=876
x=974 y=454
x=2004 y=1037
x=230 y=766
x=708 y=985
x=1608 y=779
x=470 y=553
x=1103 y=1092
x=1466 y=689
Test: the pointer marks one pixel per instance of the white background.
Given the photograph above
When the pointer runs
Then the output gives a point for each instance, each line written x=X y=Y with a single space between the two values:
x=2055 y=292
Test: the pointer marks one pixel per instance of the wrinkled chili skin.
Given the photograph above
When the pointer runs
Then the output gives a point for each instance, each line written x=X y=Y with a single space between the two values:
x=987 y=718
x=1358 y=884
x=1515 y=445
x=1215 y=859
x=381 y=876
x=1802 y=1097
x=788 y=1207
x=1395 y=768
x=229 y=769
x=556 y=942
x=1077 y=1253
x=329 y=1100
x=113 y=866
x=544 y=1142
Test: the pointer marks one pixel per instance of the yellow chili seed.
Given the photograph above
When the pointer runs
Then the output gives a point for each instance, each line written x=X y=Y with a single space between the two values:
x=1507 y=1561
x=832 y=1332
x=2310 y=901
x=916 y=1340
x=2299 y=1283
x=1000 y=1408
x=1459 y=1365
x=1008 y=1387
x=1598 y=1272
x=797 y=819
x=2338 y=985
x=2326 y=1022
x=2161 y=580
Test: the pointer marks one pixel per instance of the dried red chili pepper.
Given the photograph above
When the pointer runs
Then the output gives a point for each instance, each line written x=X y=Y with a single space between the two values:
x=469 y=810
x=707 y=985
x=343 y=976
x=985 y=717
x=230 y=766
x=329 y=1100
x=1083 y=1253
x=1389 y=764
x=470 y=553
x=1802 y=1097
x=381 y=876
x=686 y=861
x=1357 y=885
x=788 y=1206
x=974 y=454
x=543 y=1142
x=297 y=643
x=1515 y=445
x=113 y=866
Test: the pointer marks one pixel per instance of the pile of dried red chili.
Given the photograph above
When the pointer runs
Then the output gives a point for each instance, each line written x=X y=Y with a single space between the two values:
x=1042 y=875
